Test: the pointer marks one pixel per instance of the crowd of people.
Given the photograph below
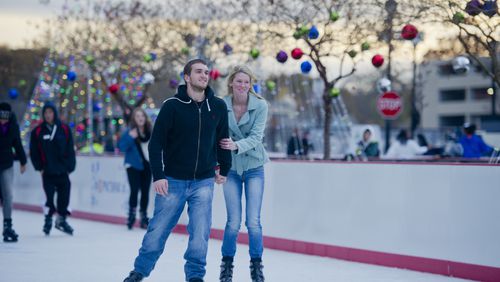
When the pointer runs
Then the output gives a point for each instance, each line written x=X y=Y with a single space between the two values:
x=198 y=140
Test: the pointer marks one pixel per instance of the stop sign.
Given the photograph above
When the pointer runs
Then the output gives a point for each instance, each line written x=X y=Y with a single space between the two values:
x=389 y=105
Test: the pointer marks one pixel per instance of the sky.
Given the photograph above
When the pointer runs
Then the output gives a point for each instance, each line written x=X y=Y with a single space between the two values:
x=18 y=19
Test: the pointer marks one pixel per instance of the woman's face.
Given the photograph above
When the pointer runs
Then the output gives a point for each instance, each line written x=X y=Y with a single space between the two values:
x=140 y=118
x=241 y=84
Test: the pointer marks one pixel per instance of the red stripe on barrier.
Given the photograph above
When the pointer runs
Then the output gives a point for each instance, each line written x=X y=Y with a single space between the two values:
x=435 y=266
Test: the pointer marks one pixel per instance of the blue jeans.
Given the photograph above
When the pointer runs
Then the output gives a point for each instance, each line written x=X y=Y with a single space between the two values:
x=254 y=191
x=198 y=194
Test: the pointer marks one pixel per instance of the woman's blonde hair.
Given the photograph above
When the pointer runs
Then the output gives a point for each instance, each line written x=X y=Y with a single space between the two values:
x=246 y=70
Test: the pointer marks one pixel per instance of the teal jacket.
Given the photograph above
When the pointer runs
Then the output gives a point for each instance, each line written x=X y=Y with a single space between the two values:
x=248 y=134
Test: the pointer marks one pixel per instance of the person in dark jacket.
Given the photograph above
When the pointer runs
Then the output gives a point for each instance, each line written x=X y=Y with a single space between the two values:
x=184 y=152
x=134 y=143
x=10 y=138
x=52 y=153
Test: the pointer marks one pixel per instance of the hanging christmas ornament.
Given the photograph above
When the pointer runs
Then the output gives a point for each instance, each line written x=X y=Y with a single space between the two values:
x=153 y=56
x=384 y=85
x=185 y=51
x=352 y=53
x=89 y=59
x=227 y=49
x=377 y=60
x=21 y=83
x=473 y=7
x=281 y=57
x=254 y=53
x=114 y=88
x=334 y=92
x=365 y=46
x=61 y=68
x=80 y=128
x=71 y=75
x=148 y=78
x=173 y=83
x=148 y=58
x=297 y=53
x=460 y=64
x=13 y=93
x=409 y=32
x=313 y=32
x=458 y=17
x=334 y=16
x=490 y=8
x=97 y=106
x=270 y=85
x=256 y=88
x=214 y=74
x=305 y=67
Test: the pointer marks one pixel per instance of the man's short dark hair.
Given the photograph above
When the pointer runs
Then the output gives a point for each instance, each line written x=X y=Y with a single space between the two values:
x=188 y=67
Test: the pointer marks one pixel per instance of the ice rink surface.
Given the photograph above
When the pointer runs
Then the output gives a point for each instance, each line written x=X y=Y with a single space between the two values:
x=101 y=252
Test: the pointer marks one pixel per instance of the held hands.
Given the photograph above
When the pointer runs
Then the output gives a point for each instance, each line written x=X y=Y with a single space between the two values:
x=23 y=168
x=228 y=144
x=219 y=179
x=161 y=187
x=133 y=133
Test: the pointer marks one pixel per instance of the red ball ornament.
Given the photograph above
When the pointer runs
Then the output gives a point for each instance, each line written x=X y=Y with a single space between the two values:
x=409 y=32
x=80 y=128
x=297 y=53
x=214 y=74
x=377 y=60
x=114 y=88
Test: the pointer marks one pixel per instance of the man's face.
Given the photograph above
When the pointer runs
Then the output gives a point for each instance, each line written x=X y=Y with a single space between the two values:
x=198 y=79
x=48 y=115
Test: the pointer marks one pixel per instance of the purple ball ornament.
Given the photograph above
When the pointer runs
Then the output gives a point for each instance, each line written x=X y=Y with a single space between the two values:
x=281 y=57
x=227 y=49
x=173 y=83
x=473 y=8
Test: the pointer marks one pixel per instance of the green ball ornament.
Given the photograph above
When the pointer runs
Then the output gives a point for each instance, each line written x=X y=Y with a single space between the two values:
x=270 y=85
x=185 y=50
x=297 y=34
x=148 y=58
x=89 y=59
x=365 y=46
x=334 y=92
x=303 y=30
x=254 y=53
x=334 y=16
x=352 y=53
x=458 y=17
x=61 y=68
x=22 y=83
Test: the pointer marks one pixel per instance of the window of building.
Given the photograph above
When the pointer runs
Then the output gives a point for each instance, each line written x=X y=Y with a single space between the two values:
x=452 y=95
x=480 y=94
x=451 y=121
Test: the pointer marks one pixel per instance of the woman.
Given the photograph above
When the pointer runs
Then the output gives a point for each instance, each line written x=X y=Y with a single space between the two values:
x=247 y=120
x=10 y=139
x=134 y=143
x=404 y=148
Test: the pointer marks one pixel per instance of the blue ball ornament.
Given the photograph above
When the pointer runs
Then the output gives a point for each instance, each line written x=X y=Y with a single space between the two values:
x=13 y=93
x=71 y=75
x=256 y=88
x=305 y=67
x=313 y=32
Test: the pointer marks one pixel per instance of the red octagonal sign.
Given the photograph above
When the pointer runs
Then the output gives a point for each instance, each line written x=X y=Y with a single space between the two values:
x=389 y=105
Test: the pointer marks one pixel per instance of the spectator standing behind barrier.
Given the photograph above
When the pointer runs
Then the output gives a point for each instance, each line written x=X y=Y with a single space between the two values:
x=366 y=146
x=10 y=139
x=247 y=115
x=134 y=143
x=184 y=151
x=53 y=154
x=295 y=147
x=404 y=148
x=473 y=144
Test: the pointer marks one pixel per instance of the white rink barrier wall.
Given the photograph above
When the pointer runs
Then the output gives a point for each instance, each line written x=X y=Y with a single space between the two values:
x=439 y=218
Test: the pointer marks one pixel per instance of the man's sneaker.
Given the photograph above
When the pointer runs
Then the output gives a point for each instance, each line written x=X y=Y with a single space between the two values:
x=226 y=269
x=256 y=270
x=47 y=224
x=134 y=277
x=62 y=224
x=195 y=280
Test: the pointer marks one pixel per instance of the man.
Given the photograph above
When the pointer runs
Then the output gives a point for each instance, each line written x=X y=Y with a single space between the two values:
x=183 y=153
x=9 y=139
x=473 y=145
x=52 y=153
